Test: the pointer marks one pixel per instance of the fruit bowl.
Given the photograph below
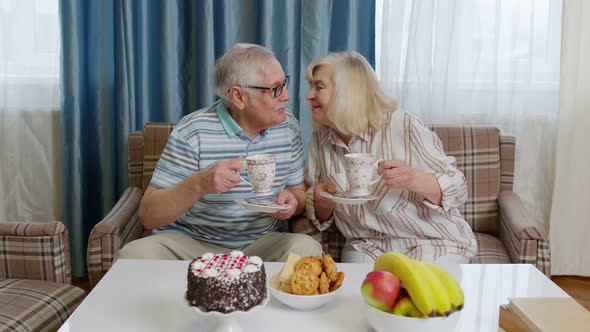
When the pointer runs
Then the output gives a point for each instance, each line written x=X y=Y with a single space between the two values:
x=382 y=321
x=300 y=302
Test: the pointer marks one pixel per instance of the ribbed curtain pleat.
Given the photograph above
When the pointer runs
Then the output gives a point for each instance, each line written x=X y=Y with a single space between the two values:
x=125 y=63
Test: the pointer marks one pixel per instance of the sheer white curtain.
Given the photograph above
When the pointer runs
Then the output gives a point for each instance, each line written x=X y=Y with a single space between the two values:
x=29 y=117
x=480 y=62
x=570 y=223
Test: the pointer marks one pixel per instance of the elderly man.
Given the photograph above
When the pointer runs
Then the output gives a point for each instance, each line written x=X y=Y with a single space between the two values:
x=190 y=202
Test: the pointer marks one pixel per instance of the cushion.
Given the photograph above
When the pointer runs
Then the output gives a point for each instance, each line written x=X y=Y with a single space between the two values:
x=155 y=138
x=135 y=159
x=477 y=150
x=490 y=250
x=34 y=305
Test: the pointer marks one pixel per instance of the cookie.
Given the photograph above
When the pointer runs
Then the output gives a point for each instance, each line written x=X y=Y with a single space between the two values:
x=304 y=282
x=324 y=283
x=338 y=281
x=330 y=267
x=317 y=258
x=309 y=263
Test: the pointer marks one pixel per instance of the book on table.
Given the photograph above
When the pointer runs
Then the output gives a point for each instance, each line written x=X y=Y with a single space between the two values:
x=548 y=314
x=509 y=322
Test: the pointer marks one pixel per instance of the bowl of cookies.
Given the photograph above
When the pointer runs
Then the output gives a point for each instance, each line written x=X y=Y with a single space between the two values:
x=306 y=283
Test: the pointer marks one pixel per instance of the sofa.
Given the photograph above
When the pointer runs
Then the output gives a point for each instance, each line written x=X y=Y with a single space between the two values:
x=503 y=228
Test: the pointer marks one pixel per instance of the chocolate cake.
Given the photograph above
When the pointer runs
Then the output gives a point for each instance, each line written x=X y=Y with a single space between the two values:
x=226 y=282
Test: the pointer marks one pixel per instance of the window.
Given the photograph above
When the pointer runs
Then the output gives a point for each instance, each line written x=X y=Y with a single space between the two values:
x=29 y=54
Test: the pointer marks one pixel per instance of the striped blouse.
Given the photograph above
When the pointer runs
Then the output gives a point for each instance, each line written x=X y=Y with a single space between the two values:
x=398 y=220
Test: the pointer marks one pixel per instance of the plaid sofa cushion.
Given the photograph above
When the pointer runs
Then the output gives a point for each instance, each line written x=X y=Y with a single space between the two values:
x=490 y=250
x=34 y=305
x=135 y=159
x=155 y=138
x=507 y=154
x=35 y=251
x=477 y=150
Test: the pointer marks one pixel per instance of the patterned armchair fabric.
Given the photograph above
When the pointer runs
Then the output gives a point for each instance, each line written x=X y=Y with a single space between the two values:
x=35 y=290
x=504 y=231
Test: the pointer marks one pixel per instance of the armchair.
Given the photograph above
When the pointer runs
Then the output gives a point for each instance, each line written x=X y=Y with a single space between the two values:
x=121 y=225
x=35 y=290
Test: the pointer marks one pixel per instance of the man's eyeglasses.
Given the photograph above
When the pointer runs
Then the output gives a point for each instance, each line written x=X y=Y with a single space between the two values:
x=276 y=90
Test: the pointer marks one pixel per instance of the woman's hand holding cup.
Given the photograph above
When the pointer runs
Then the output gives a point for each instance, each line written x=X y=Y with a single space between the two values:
x=397 y=174
x=323 y=205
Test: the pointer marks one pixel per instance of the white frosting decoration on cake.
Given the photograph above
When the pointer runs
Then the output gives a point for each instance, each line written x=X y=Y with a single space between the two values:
x=207 y=256
x=236 y=253
x=255 y=260
x=251 y=268
x=197 y=265
x=234 y=273
x=210 y=273
x=225 y=267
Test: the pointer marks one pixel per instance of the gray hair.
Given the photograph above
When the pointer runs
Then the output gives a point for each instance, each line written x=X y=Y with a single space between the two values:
x=359 y=101
x=239 y=66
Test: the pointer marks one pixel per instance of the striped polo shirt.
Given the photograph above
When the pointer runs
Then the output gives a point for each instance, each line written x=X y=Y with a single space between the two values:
x=209 y=135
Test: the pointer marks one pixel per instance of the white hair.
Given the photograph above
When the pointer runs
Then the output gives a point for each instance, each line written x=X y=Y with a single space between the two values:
x=359 y=101
x=240 y=65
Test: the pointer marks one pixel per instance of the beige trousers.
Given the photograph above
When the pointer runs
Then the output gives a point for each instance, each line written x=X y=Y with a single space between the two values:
x=171 y=245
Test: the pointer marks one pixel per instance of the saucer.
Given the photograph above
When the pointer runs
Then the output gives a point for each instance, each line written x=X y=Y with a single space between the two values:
x=261 y=206
x=341 y=198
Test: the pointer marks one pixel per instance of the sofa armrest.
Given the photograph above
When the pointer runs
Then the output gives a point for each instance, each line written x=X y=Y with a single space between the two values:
x=525 y=241
x=120 y=226
x=38 y=251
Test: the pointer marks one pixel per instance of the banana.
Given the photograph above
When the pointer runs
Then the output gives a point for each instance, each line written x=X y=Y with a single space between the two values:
x=415 y=282
x=439 y=292
x=454 y=290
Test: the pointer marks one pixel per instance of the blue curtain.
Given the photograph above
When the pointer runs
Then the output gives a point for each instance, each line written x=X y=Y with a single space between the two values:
x=125 y=63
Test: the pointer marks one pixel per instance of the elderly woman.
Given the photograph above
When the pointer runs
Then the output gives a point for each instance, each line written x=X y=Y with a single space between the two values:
x=415 y=210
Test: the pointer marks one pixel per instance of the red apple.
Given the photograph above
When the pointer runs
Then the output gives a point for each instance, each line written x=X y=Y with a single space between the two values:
x=380 y=289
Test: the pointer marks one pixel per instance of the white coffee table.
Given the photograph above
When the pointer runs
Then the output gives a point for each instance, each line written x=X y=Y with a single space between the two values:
x=148 y=295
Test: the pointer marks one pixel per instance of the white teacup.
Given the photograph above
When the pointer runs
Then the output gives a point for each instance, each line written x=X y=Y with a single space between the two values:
x=261 y=171
x=360 y=170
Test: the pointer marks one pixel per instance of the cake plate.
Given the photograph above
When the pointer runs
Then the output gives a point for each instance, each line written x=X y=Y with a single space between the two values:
x=222 y=322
